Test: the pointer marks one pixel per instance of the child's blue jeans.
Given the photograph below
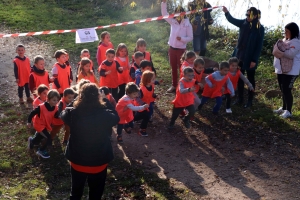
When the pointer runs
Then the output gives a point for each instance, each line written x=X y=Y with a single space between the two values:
x=217 y=105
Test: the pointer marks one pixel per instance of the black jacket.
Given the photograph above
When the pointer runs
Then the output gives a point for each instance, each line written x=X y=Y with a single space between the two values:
x=90 y=130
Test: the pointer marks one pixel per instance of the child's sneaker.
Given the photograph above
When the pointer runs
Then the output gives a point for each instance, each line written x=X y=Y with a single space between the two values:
x=119 y=139
x=127 y=130
x=279 y=111
x=43 y=154
x=21 y=101
x=29 y=100
x=228 y=110
x=143 y=132
x=286 y=114
x=30 y=145
x=187 y=124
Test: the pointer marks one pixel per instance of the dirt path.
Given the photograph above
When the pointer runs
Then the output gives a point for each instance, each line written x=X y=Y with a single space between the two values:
x=225 y=161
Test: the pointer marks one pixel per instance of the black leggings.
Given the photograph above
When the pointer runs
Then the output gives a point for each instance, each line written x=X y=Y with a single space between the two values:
x=38 y=139
x=286 y=83
x=251 y=78
x=21 y=89
x=114 y=93
x=177 y=111
x=121 y=91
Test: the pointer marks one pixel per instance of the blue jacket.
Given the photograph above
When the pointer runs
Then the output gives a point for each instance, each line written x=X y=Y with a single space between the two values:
x=254 y=43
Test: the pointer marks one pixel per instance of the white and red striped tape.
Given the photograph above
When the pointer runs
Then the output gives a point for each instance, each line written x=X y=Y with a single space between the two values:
x=107 y=26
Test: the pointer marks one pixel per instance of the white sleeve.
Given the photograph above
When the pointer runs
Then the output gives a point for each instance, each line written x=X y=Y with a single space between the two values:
x=54 y=71
x=165 y=12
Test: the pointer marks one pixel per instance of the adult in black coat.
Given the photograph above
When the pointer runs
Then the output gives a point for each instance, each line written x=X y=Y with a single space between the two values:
x=89 y=148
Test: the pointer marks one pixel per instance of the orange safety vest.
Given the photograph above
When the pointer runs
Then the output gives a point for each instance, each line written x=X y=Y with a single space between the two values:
x=63 y=77
x=234 y=80
x=184 y=65
x=147 y=56
x=57 y=121
x=125 y=114
x=124 y=76
x=40 y=79
x=187 y=99
x=44 y=120
x=91 y=77
x=23 y=70
x=147 y=95
x=198 y=78
x=216 y=91
x=110 y=80
x=102 y=48
x=37 y=101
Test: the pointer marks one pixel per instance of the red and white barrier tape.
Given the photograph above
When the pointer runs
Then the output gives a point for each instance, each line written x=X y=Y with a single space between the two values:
x=107 y=26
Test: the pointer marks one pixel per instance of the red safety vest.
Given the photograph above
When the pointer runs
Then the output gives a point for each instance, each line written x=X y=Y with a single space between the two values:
x=234 y=80
x=124 y=76
x=37 y=101
x=44 y=120
x=125 y=114
x=216 y=91
x=147 y=95
x=23 y=70
x=198 y=78
x=41 y=79
x=57 y=121
x=110 y=80
x=187 y=99
x=102 y=48
x=63 y=77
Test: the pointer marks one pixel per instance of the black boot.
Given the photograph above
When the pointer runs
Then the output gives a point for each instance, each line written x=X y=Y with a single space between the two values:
x=250 y=98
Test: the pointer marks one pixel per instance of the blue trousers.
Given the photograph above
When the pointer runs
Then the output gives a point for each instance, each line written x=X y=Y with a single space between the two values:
x=217 y=105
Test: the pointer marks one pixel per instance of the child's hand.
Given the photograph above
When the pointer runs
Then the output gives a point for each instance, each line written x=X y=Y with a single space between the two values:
x=60 y=91
x=121 y=69
x=51 y=79
x=213 y=85
x=17 y=80
x=29 y=125
x=192 y=89
x=108 y=72
x=201 y=85
x=102 y=95
x=223 y=89
x=215 y=69
x=146 y=106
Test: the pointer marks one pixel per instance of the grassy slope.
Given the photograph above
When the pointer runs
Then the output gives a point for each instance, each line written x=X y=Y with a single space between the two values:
x=50 y=179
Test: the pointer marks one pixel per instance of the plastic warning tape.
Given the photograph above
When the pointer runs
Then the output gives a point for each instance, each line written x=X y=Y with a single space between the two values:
x=106 y=26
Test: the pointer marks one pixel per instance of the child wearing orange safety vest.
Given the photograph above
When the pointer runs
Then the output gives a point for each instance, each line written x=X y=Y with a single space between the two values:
x=109 y=70
x=110 y=98
x=141 y=47
x=187 y=60
x=185 y=98
x=138 y=57
x=147 y=95
x=61 y=72
x=42 y=92
x=214 y=87
x=103 y=46
x=38 y=74
x=234 y=74
x=85 y=72
x=57 y=123
x=200 y=72
x=42 y=118
x=123 y=60
x=22 y=71
x=125 y=108
x=85 y=53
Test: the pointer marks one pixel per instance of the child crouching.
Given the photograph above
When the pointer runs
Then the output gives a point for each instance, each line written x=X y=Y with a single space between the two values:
x=125 y=108
x=42 y=117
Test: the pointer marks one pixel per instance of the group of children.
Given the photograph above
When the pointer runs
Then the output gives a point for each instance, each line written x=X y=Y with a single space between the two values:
x=130 y=86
